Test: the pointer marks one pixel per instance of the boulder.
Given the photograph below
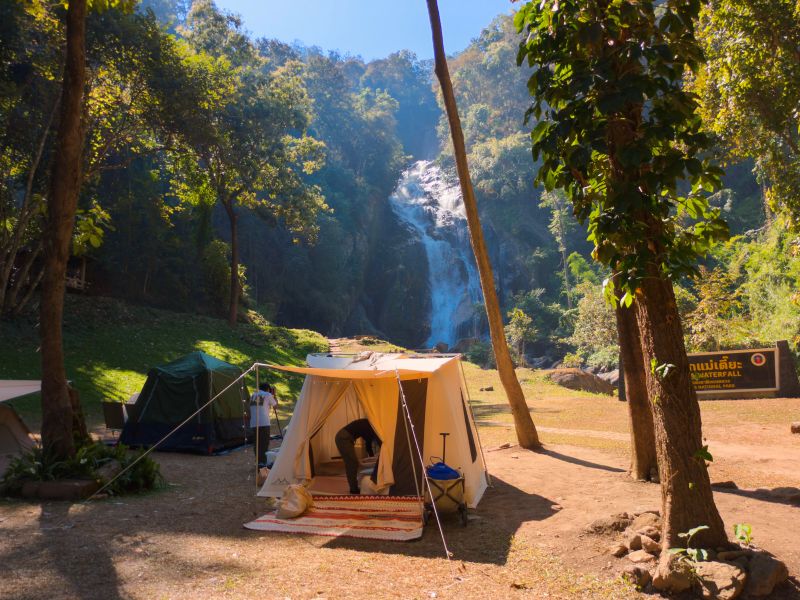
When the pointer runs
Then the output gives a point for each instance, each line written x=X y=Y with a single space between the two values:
x=577 y=379
x=646 y=519
x=795 y=428
x=765 y=573
x=637 y=575
x=611 y=377
x=612 y=524
x=633 y=541
x=649 y=544
x=641 y=556
x=731 y=555
x=673 y=575
x=619 y=550
x=722 y=580
x=654 y=533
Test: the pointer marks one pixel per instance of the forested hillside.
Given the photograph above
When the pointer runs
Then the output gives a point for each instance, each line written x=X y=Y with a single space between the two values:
x=209 y=150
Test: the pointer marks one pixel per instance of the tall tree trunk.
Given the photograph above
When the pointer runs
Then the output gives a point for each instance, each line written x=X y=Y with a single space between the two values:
x=686 y=497
x=233 y=307
x=526 y=430
x=644 y=463
x=61 y=205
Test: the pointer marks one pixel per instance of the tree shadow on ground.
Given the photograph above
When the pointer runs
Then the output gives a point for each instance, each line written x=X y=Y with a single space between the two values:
x=486 y=539
x=482 y=411
x=780 y=495
x=579 y=461
x=86 y=571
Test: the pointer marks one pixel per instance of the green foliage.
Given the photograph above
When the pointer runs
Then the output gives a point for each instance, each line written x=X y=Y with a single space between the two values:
x=711 y=324
x=750 y=90
x=694 y=554
x=572 y=360
x=110 y=346
x=481 y=354
x=595 y=331
x=616 y=131
x=216 y=265
x=703 y=454
x=743 y=532
x=519 y=330
x=36 y=465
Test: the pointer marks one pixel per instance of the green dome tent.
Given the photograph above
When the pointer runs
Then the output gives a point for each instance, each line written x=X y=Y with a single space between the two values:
x=174 y=391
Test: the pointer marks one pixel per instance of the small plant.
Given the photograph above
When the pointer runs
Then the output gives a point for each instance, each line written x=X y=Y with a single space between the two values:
x=743 y=532
x=660 y=371
x=690 y=553
x=703 y=454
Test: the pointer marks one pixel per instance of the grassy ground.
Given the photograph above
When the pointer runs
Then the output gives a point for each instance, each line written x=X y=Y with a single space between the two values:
x=110 y=346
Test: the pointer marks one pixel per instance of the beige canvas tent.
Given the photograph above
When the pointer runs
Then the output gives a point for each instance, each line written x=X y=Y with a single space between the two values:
x=15 y=437
x=340 y=389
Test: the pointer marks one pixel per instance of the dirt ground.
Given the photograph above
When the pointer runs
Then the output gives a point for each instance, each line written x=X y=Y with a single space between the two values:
x=525 y=539
x=187 y=541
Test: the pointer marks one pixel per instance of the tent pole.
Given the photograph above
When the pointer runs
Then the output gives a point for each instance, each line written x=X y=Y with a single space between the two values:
x=410 y=423
x=258 y=387
x=472 y=417
x=162 y=440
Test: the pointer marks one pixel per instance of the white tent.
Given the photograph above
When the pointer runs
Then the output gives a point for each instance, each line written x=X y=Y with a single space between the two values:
x=14 y=435
x=341 y=389
x=14 y=388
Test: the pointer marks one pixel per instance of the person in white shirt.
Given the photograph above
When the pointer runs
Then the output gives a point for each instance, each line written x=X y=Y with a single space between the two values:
x=261 y=402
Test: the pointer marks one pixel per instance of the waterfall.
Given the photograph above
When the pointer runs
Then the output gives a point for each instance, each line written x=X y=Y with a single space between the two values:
x=433 y=210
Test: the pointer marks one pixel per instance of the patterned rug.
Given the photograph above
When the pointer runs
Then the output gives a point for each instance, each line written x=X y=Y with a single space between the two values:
x=372 y=517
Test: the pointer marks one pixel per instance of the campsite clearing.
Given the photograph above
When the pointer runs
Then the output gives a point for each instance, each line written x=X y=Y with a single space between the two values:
x=524 y=540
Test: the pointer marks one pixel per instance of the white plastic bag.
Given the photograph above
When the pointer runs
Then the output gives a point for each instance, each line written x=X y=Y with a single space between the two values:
x=294 y=502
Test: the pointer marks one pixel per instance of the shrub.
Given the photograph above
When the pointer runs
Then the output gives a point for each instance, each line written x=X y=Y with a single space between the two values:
x=481 y=354
x=37 y=466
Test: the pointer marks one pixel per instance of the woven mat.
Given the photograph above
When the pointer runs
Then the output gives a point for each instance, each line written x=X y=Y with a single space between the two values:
x=371 y=517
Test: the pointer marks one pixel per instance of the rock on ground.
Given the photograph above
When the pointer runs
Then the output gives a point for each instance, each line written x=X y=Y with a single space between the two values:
x=633 y=541
x=765 y=572
x=796 y=427
x=646 y=519
x=612 y=524
x=672 y=575
x=649 y=544
x=719 y=580
x=637 y=575
x=619 y=550
x=641 y=556
x=576 y=379
x=611 y=377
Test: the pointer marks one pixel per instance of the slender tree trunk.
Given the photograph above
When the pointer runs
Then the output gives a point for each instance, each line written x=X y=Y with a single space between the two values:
x=61 y=205
x=526 y=430
x=21 y=280
x=644 y=464
x=686 y=496
x=233 y=307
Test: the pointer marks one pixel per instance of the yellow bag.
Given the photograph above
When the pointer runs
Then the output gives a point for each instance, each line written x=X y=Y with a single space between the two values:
x=294 y=502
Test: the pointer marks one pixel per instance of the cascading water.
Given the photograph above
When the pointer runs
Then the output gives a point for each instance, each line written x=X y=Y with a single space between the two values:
x=434 y=211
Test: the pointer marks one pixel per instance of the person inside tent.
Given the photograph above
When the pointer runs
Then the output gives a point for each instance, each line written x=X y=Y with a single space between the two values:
x=346 y=443
x=260 y=404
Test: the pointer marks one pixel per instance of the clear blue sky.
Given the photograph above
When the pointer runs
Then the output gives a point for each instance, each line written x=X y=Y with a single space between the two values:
x=369 y=28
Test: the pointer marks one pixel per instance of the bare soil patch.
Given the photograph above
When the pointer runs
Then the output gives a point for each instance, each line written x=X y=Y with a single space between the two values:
x=525 y=540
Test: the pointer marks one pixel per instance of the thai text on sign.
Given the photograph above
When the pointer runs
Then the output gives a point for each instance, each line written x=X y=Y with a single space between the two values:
x=733 y=370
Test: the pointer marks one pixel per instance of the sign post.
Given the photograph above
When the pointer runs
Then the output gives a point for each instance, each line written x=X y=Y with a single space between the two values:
x=733 y=371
